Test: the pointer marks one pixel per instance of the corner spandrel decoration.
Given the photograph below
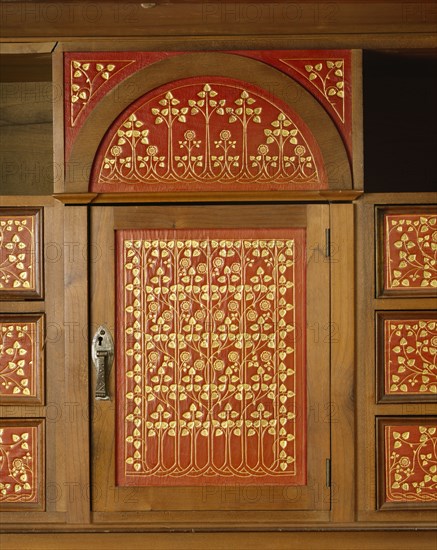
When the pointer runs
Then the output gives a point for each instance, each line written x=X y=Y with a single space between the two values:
x=327 y=76
x=87 y=76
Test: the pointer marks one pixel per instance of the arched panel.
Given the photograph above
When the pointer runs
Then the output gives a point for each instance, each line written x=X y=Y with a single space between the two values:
x=271 y=89
x=208 y=133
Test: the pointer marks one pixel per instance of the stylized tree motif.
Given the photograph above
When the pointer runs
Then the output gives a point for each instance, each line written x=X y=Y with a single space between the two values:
x=275 y=161
x=169 y=114
x=189 y=161
x=244 y=114
x=281 y=135
x=151 y=161
x=129 y=135
x=225 y=161
x=203 y=360
x=263 y=160
x=206 y=106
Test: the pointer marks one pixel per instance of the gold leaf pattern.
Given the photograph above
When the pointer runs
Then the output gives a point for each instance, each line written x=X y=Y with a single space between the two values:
x=208 y=134
x=18 y=456
x=88 y=76
x=410 y=356
x=327 y=76
x=210 y=357
x=19 y=341
x=411 y=463
x=410 y=251
x=17 y=253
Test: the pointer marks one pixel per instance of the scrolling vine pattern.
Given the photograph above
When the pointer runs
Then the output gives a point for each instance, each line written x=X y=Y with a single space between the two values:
x=410 y=251
x=18 y=480
x=410 y=356
x=17 y=252
x=411 y=463
x=18 y=358
x=88 y=76
x=327 y=76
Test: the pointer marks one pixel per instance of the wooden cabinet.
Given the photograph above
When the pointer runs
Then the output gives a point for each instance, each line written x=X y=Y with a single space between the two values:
x=208 y=212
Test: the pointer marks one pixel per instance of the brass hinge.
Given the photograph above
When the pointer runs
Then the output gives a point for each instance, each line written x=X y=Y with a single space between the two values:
x=328 y=472
x=327 y=242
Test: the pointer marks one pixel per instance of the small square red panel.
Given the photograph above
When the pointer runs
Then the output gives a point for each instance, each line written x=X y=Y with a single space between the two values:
x=21 y=364
x=19 y=462
x=211 y=351
x=20 y=253
x=411 y=462
x=410 y=351
x=410 y=250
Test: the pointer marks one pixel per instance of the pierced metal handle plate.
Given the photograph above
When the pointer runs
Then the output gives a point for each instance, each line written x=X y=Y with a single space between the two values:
x=102 y=354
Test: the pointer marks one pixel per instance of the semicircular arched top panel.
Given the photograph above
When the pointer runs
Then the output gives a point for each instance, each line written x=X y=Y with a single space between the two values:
x=208 y=133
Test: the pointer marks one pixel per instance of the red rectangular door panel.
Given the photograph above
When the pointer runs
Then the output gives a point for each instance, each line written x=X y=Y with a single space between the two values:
x=211 y=357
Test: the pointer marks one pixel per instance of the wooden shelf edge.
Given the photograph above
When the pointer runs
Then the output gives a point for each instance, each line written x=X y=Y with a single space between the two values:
x=20 y=48
x=195 y=197
x=75 y=198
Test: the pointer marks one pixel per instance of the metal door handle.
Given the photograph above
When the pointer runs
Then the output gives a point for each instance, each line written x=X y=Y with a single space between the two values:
x=102 y=353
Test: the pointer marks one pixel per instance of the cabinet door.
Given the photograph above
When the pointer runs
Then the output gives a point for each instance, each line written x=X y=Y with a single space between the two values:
x=219 y=392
